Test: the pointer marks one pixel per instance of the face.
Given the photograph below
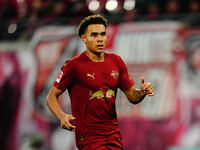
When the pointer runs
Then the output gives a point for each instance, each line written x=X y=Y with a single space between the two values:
x=95 y=38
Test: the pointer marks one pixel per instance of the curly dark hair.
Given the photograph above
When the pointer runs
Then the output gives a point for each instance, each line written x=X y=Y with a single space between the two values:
x=93 y=19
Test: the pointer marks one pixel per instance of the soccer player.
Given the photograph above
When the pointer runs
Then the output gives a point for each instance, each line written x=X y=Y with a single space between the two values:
x=92 y=79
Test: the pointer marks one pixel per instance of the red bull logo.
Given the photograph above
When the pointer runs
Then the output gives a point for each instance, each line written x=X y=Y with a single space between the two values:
x=100 y=94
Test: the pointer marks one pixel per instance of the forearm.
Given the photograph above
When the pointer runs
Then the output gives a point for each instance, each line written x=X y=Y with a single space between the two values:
x=54 y=107
x=137 y=96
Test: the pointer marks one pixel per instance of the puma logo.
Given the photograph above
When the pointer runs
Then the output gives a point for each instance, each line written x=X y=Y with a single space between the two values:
x=92 y=76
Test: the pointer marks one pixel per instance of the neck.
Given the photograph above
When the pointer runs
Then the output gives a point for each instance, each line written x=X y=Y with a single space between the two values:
x=96 y=57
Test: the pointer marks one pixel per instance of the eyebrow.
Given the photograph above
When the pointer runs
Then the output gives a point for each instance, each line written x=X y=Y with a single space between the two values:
x=95 y=33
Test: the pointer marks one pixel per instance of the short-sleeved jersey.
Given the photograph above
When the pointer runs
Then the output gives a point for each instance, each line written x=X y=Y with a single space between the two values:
x=92 y=87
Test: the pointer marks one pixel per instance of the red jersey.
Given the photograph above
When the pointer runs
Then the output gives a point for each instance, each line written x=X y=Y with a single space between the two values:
x=92 y=87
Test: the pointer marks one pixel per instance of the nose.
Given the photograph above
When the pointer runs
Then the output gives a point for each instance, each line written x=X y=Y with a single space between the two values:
x=100 y=38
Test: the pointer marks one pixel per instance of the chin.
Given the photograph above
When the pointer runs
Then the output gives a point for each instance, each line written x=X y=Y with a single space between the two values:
x=99 y=51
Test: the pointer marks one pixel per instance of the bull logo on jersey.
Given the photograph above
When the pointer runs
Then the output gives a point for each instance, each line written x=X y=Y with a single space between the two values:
x=102 y=94
x=114 y=74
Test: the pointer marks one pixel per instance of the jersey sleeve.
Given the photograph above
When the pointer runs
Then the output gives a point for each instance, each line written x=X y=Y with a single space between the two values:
x=65 y=76
x=125 y=80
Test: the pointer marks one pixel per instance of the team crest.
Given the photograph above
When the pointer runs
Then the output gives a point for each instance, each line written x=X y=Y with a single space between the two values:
x=114 y=74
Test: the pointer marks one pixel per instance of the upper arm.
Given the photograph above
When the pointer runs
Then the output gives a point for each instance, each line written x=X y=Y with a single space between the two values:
x=66 y=76
x=54 y=92
x=125 y=80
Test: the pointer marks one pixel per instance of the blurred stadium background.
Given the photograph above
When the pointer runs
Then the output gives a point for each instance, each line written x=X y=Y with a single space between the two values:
x=159 y=39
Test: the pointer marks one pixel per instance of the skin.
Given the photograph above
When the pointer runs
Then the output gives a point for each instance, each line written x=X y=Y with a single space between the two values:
x=95 y=41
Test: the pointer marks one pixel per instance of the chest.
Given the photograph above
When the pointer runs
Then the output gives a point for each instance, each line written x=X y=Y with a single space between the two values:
x=98 y=75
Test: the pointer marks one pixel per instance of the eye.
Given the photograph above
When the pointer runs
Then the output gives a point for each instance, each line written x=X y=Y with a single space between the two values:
x=94 y=34
x=103 y=33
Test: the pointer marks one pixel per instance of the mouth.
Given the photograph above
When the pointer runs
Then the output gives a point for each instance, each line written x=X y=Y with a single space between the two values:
x=100 y=46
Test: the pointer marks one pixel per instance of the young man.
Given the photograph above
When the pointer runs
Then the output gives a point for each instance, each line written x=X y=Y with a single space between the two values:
x=92 y=79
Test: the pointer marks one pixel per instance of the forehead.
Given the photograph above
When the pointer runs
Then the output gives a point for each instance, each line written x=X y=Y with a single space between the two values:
x=96 y=28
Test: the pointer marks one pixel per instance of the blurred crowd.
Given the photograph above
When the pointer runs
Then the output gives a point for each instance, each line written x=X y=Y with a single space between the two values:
x=21 y=16
x=24 y=16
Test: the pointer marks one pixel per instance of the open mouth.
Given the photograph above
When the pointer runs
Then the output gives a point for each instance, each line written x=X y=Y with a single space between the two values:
x=100 y=46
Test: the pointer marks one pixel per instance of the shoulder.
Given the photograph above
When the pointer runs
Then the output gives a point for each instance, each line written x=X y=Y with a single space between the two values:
x=70 y=62
x=113 y=56
x=77 y=59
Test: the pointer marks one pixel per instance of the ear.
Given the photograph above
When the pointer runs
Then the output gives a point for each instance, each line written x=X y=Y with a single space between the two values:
x=83 y=38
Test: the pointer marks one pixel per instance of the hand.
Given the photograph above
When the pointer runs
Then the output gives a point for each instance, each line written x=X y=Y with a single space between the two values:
x=65 y=122
x=146 y=87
